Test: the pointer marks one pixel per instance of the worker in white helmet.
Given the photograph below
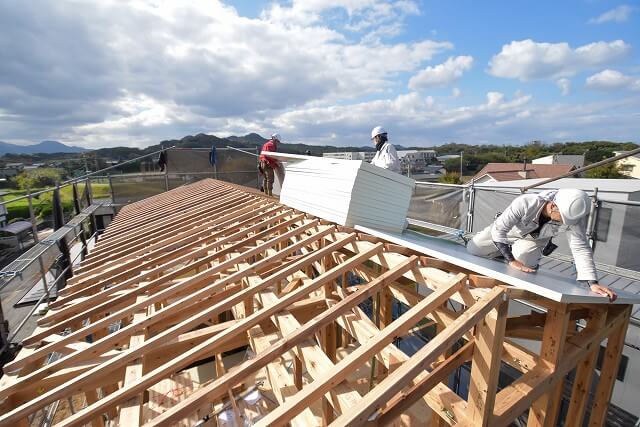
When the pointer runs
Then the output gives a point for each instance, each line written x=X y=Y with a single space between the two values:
x=386 y=155
x=522 y=233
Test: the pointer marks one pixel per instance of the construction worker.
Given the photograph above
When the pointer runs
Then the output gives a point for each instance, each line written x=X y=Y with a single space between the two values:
x=386 y=156
x=522 y=233
x=267 y=165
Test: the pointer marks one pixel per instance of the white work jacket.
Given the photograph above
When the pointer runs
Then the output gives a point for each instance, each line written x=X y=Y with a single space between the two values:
x=521 y=218
x=387 y=158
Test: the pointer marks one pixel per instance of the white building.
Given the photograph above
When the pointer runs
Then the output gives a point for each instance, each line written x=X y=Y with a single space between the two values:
x=416 y=159
x=629 y=166
x=576 y=160
x=367 y=156
x=446 y=157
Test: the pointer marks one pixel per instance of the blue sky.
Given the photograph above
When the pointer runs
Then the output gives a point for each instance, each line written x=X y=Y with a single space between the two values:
x=135 y=72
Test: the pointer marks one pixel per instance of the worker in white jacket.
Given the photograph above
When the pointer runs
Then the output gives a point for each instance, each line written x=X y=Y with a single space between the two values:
x=386 y=155
x=523 y=232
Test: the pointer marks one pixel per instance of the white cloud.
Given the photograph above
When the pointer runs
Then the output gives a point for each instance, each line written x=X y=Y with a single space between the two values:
x=91 y=77
x=410 y=119
x=201 y=65
x=612 y=80
x=564 y=85
x=528 y=60
x=442 y=74
x=375 y=19
x=618 y=14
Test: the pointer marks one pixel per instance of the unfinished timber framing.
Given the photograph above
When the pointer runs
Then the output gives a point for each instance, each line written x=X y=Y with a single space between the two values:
x=214 y=304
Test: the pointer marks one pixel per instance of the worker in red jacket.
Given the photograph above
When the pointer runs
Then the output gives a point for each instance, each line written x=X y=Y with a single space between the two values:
x=268 y=165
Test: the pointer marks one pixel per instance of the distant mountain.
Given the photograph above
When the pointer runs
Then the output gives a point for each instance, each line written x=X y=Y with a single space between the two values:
x=43 y=147
x=249 y=139
x=202 y=140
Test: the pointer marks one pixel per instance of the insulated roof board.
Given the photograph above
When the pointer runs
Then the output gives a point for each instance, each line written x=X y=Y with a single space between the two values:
x=348 y=192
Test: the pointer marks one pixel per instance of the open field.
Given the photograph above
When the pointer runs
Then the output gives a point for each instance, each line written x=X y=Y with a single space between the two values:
x=42 y=204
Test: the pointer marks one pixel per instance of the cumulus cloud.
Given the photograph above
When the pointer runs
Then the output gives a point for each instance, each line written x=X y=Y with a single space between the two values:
x=529 y=60
x=564 y=85
x=86 y=74
x=618 y=14
x=198 y=65
x=373 y=19
x=410 y=118
x=442 y=74
x=612 y=80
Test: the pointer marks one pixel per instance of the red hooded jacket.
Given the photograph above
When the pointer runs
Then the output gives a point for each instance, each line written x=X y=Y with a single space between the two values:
x=270 y=145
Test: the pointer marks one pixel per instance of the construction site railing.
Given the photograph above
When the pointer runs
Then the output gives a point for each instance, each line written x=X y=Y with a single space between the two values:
x=88 y=180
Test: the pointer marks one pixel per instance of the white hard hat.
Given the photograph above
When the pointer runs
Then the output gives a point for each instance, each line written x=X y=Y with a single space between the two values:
x=378 y=130
x=573 y=205
x=275 y=136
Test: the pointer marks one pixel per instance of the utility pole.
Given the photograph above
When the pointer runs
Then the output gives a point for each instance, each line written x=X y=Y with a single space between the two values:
x=461 y=153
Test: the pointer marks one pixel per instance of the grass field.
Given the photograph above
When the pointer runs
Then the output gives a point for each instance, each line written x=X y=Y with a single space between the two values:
x=42 y=204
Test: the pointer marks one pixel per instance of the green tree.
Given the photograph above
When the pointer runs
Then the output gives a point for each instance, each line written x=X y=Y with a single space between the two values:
x=37 y=178
x=612 y=170
x=452 y=165
x=450 y=178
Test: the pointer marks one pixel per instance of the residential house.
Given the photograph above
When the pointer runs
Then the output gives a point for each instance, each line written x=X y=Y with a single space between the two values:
x=496 y=172
x=629 y=166
x=576 y=160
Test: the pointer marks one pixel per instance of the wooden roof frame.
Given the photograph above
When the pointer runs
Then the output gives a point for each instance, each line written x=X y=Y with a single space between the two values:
x=187 y=275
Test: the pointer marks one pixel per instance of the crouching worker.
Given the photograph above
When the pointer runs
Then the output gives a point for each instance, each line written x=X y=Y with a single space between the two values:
x=523 y=233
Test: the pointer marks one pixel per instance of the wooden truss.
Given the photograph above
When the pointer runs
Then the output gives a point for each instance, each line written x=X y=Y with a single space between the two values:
x=212 y=303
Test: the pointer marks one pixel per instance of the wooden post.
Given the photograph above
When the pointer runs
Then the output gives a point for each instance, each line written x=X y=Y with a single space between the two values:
x=609 y=371
x=92 y=397
x=297 y=372
x=544 y=411
x=436 y=419
x=346 y=338
x=584 y=375
x=485 y=367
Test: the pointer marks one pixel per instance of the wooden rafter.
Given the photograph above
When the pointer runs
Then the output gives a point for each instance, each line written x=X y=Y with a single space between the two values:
x=193 y=275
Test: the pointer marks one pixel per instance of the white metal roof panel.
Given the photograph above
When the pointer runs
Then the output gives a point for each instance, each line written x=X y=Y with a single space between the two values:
x=549 y=284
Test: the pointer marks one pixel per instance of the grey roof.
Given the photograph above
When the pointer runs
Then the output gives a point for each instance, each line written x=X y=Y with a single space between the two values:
x=586 y=184
x=17 y=227
x=615 y=277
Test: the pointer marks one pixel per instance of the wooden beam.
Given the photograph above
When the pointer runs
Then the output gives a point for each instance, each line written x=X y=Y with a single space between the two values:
x=319 y=387
x=609 y=371
x=403 y=400
x=544 y=411
x=518 y=356
x=584 y=373
x=204 y=347
x=514 y=399
x=158 y=316
x=288 y=342
x=393 y=383
x=485 y=365
x=316 y=362
x=131 y=410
